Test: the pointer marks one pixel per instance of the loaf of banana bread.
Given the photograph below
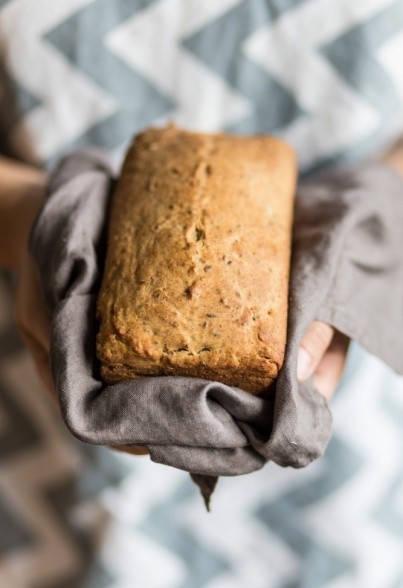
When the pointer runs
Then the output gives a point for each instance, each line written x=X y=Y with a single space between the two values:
x=198 y=253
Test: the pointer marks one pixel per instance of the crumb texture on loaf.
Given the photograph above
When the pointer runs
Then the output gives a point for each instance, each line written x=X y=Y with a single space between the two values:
x=197 y=267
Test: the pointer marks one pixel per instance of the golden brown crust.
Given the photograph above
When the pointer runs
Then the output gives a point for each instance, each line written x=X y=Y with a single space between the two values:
x=197 y=268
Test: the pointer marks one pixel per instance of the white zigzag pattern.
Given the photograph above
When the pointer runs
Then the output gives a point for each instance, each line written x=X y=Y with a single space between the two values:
x=204 y=100
x=344 y=517
x=387 y=58
x=62 y=116
x=127 y=553
x=342 y=521
x=23 y=480
x=136 y=560
x=255 y=556
x=328 y=99
x=397 y=391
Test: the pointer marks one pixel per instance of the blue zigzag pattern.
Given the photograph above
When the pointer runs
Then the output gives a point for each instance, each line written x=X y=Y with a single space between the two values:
x=282 y=517
x=387 y=512
x=370 y=80
x=15 y=102
x=140 y=102
x=164 y=526
x=219 y=45
x=101 y=470
x=62 y=498
x=19 y=536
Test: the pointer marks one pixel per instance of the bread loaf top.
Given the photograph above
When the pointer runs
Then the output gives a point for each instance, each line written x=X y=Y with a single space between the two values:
x=197 y=267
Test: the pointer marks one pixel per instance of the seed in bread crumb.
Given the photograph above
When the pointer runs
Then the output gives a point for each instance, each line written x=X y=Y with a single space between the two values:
x=200 y=234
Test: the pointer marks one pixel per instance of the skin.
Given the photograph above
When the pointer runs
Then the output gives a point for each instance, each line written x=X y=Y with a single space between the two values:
x=322 y=352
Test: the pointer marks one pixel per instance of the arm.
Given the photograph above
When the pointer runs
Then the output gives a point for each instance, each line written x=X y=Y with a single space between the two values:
x=21 y=191
x=394 y=157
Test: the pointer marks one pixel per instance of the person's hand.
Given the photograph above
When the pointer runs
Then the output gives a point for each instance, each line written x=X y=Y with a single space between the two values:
x=323 y=350
x=22 y=190
x=322 y=353
x=33 y=321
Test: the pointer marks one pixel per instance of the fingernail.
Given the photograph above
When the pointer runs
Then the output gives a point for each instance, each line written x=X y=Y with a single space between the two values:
x=304 y=364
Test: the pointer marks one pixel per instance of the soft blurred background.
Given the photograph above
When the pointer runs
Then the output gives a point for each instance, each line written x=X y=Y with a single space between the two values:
x=76 y=516
x=326 y=75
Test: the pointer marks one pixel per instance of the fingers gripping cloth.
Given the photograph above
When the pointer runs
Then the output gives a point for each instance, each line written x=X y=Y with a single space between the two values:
x=347 y=270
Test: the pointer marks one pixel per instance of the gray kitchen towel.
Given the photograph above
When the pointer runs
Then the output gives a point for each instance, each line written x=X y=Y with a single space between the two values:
x=347 y=270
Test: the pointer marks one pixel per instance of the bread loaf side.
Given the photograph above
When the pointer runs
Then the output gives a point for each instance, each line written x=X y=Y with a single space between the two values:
x=197 y=267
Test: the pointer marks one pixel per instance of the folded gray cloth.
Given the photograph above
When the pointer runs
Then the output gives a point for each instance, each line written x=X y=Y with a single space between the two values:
x=347 y=270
